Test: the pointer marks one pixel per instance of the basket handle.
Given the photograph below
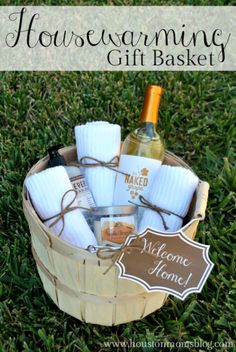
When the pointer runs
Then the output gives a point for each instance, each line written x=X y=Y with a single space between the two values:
x=202 y=197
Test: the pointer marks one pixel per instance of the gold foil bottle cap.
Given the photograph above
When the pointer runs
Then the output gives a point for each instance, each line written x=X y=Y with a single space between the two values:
x=151 y=104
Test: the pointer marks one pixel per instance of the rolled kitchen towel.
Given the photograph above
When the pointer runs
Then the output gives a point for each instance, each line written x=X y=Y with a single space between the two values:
x=100 y=140
x=46 y=190
x=172 y=190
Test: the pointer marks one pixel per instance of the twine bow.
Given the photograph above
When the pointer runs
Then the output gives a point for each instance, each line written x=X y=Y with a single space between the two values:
x=112 y=164
x=114 y=253
x=146 y=204
x=64 y=210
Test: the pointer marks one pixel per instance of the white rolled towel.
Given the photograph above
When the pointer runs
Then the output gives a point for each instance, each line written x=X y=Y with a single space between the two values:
x=172 y=189
x=100 y=140
x=46 y=190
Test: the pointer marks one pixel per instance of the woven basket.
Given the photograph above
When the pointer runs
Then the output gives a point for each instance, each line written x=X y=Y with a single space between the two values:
x=73 y=277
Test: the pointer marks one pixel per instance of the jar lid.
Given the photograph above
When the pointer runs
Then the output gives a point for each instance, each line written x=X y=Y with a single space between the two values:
x=115 y=210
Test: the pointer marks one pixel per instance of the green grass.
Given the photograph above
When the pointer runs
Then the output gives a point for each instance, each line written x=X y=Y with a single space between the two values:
x=197 y=120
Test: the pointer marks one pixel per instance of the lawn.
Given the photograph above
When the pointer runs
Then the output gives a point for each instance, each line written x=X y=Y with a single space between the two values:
x=197 y=122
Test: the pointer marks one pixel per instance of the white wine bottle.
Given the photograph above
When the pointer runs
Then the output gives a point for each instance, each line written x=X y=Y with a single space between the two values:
x=142 y=153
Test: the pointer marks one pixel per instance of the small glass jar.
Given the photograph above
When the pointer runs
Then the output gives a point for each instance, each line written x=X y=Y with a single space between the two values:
x=113 y=224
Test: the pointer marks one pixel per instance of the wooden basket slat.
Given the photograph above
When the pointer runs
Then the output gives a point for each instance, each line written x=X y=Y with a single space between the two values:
x=94 y=312
x=99 y=284
x=48 y=286
x=129 y=312
x=154 y=302
x=70 y=304
x=67 y=271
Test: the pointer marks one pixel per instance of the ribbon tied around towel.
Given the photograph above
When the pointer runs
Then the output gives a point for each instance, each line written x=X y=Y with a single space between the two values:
x=64 y=210
x=112 y=164
x=146 y=204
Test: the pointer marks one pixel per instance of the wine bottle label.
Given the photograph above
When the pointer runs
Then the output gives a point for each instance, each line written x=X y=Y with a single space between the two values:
x=84 y=196
x=141 y=172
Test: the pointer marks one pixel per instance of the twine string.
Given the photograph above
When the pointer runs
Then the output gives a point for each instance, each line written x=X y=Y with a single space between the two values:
x=114 y=253
x=112 y=164
x=65 y=209
x=146 y=204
